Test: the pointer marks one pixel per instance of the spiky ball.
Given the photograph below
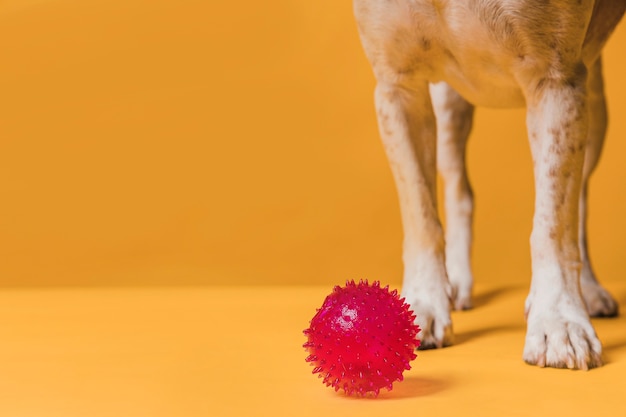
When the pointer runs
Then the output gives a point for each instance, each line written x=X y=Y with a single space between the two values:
x=362 y=338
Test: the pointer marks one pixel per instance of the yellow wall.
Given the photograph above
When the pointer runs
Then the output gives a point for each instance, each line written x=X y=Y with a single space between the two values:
x=180 y=142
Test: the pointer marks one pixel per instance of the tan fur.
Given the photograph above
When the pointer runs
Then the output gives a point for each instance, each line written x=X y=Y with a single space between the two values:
x=433 y=61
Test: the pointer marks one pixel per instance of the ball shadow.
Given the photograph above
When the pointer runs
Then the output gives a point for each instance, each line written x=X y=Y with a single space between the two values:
x=410 y=387
x=415 y=387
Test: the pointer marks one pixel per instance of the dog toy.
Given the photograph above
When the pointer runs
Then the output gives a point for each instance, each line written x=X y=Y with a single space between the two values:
x=362 y=338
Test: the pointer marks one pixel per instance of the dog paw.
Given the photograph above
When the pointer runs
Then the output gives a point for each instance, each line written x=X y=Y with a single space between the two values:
x=461 y=280
x=561 y=336
x=461 y=296
x=598 y=300
x=436 y=331
x=432 y=311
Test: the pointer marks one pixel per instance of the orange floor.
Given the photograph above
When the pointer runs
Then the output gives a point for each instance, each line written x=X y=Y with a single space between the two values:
x=236 y=351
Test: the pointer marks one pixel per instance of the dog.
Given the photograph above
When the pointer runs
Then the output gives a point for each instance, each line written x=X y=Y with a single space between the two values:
x=434 y=60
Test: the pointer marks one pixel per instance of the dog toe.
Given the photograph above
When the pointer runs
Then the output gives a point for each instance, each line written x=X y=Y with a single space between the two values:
x=463 y=303
x=558 y=343
x=436 y=328
x=438 y=337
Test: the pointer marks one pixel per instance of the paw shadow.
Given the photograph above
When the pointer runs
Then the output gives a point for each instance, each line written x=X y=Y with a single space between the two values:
x=609 y=350
x=460 y=338
x=482 y=299
x=621 y=299
x=614 y=345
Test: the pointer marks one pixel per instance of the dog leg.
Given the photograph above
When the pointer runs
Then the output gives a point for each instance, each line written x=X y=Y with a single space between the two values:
x=399 y=52
x=407 y=127
x=559 y=332
x=454 y=122
x=599 y=302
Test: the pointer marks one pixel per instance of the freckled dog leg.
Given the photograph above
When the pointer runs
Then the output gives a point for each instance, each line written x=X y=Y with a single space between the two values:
x=454 y=122
x=599 y=302
x=559 y=332
x=407 y=127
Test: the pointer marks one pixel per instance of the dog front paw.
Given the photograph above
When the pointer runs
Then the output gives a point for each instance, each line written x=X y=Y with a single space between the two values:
x=432 y=311
x=436 y=331
x=561 y=336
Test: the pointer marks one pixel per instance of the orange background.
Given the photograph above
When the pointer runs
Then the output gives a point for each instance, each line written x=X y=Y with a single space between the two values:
x=151 y=142
x=148 y=148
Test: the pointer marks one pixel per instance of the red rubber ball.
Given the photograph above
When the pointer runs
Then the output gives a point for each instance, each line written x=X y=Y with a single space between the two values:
x=362 y=338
